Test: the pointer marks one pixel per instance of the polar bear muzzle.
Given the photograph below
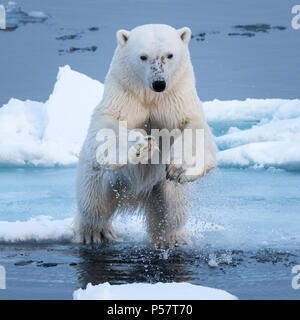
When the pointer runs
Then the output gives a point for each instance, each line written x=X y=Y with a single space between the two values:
x=159 y=85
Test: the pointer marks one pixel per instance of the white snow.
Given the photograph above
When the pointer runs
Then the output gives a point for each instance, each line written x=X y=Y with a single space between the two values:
x=40 y=228
x=146 y=291
x=212 y=261
x=51 y=133
x=277 y=154
x=273 y=141
x=251 y=109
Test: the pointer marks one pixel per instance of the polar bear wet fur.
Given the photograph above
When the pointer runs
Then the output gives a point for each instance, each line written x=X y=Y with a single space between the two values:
x=150 y=84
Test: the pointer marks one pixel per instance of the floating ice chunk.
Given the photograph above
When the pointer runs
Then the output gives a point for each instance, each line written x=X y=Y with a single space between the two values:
x=212 y=260
x=15 y=16
x=146 y=291
x=37 y=14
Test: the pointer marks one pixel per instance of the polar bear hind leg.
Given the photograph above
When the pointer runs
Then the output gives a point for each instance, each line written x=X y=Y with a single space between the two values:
x=93 y=220
x=166 y=215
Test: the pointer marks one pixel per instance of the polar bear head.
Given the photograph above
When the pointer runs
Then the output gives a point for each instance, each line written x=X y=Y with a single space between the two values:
x=151 y=57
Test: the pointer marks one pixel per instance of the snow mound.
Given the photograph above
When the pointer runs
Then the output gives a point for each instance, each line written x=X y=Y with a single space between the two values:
x=146 y=291
x=50 y=133
x=271 y=141
x=40 y=228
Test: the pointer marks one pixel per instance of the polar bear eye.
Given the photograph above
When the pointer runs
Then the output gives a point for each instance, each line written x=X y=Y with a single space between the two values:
x=144 y=58
x=170 y=56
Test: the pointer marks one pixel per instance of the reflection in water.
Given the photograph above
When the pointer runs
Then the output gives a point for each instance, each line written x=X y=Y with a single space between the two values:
x=119 y=264
x=65 y=268
x=128 y=263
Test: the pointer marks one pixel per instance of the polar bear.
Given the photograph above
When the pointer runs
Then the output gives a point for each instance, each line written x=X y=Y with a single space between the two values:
x=150 y=85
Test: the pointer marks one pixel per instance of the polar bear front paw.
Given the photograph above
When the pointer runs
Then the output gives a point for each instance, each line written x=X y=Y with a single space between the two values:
x=181 y=173
x=143 y=150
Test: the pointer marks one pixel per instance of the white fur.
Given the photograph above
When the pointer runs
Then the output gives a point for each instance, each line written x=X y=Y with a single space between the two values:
x=128 y=97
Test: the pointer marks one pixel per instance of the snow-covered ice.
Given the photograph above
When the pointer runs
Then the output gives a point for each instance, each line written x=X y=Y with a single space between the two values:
x=146 y=291
x=251 y=109
x=39 y=229
x=262 y=133
x=48 y=229
x=250 y=133
x=50 y=133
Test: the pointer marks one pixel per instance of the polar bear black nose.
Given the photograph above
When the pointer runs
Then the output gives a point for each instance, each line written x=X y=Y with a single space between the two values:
x=159 y=86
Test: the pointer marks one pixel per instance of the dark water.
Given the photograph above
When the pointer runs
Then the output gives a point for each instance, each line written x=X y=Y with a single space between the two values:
x=55 y=271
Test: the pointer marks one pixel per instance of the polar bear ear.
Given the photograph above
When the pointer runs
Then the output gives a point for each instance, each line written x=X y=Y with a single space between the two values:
x=185 y=34
x=122 y=37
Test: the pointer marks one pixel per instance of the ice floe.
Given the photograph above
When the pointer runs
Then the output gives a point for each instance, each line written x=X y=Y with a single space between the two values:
x=252 y=133
x=147 y=291
x=50 y=133
x=269 y=136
